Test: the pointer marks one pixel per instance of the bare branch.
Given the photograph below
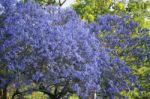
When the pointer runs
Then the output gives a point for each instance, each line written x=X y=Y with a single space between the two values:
x=61 y=3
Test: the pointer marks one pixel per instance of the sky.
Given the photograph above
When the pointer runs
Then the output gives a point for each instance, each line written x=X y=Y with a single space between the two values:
x=67 y=3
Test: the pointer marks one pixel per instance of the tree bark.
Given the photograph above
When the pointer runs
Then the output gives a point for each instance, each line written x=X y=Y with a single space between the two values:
x=4 y=93
x=0 y=92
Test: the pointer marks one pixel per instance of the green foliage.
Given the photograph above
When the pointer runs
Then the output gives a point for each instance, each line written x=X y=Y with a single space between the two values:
x=73 y=97
x=138 y=9
x=89 y=9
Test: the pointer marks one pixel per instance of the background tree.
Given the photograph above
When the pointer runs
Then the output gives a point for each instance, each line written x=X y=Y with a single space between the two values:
x=138 y=10
x=89 y=9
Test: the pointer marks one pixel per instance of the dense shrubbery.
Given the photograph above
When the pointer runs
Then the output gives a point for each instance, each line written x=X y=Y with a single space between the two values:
x=50 y=50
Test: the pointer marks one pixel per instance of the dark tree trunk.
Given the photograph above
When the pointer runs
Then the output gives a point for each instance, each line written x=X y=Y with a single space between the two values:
x=1 y=93
x=4 y=93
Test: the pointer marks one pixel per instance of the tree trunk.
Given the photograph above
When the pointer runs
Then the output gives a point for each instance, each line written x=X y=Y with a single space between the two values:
x=1 y=93
x=4 y=93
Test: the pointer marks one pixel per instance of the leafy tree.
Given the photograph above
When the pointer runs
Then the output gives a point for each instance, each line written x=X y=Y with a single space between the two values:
x=50 y=50
x=90 y=9
x=139 y=10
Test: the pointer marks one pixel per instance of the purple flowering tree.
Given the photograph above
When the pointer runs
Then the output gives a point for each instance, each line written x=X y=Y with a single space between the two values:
x=127 y=40
x=50 y=50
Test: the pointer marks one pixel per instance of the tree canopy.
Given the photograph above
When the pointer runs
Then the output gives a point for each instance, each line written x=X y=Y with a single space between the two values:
x=49 y=49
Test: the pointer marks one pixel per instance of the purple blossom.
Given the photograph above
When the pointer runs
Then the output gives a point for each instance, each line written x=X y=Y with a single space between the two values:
x=17 y=85
x=37 y=76
x=132 y=79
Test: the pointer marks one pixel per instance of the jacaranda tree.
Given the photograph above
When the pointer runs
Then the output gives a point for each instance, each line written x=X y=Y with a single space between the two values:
x=131 y=43
x=50 y=50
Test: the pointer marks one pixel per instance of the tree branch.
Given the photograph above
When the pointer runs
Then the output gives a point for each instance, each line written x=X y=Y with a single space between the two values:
x=61 y=3
x=64 y=90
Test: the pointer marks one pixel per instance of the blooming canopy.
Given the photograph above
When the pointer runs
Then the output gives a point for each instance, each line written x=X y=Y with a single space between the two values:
x=52 y=48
